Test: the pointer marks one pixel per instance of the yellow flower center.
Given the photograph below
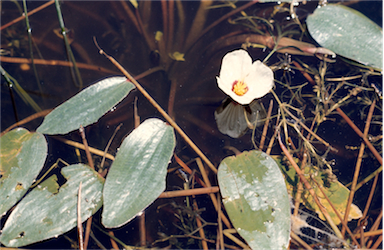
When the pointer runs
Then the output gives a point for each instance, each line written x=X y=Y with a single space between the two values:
x=239 y=88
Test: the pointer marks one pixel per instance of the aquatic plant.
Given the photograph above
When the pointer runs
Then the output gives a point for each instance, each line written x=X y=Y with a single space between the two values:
x=243 y=80
x=170 y=180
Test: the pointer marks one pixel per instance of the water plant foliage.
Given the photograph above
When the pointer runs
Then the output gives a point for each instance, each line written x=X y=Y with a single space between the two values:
x=137 y=176
x=189 y=148
x=50 y=210
x=139 y=169
x=87 y=106
x=336 y=192
x=334 y=27
x=22 y=157
x=256 y=199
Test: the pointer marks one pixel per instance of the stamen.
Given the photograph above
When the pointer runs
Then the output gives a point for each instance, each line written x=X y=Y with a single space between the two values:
x=239 y=88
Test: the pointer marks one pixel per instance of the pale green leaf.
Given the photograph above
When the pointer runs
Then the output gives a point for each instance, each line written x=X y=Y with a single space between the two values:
x=22 y=156
x=256 y=199
x=87 y=106
x=348 y=33
x=137 y=176
x=47 y=212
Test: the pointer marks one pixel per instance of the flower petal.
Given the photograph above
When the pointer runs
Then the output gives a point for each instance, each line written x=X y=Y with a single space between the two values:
x=259 y=80
x=235 y=66
x=247 y=98
x=227 y=89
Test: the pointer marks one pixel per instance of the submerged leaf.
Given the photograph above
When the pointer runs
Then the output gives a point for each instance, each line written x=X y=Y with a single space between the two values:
x=230 y=117
x=22 y=156
x=337 y=193
x=348 y=33
x=87 y=106
x=47 y=212
x=137 y=176
x=256 y=199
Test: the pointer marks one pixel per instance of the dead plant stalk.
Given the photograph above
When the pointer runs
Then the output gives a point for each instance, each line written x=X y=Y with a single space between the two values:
x=161 y=110
x=309 y=188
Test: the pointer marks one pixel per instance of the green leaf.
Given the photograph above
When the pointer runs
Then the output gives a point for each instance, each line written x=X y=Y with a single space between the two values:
x=22 y=156
x=87 y=106
x=348 y=33
x=48 y=212
x=256 y=199
x=137 y=176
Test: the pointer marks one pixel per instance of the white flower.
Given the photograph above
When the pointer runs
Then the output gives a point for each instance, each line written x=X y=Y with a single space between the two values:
x=243 y=80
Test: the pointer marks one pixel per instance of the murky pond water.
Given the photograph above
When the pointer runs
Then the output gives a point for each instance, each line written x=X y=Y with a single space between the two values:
x=174 y=40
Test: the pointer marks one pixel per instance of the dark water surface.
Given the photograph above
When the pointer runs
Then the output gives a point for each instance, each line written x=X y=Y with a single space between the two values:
x=192 y=82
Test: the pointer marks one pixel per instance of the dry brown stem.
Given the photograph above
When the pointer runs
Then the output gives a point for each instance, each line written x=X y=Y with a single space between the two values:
x=211 y=195
x=162 y=112
x=189 y=192
x=28 y=119
x=337 y=214
x=85 y=143
x=358 y=165
x=87 y=232
x=300 y=241
x=308 y=187
x=358 y=131
x=79 y=224
x=188 y=170
x=130 y=14
x=43 y=6
x=265 y=128
x=220 y=236
x=81 y=146
x=54 y=63
x=143 y=238
x=200 y=225
x=113 y=242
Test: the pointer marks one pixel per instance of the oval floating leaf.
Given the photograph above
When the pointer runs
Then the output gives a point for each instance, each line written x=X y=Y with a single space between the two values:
x=348 y=33
x=22 y=156
x=48 y=211
x=256 y=199
x=137 y=176
x=87 y=106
